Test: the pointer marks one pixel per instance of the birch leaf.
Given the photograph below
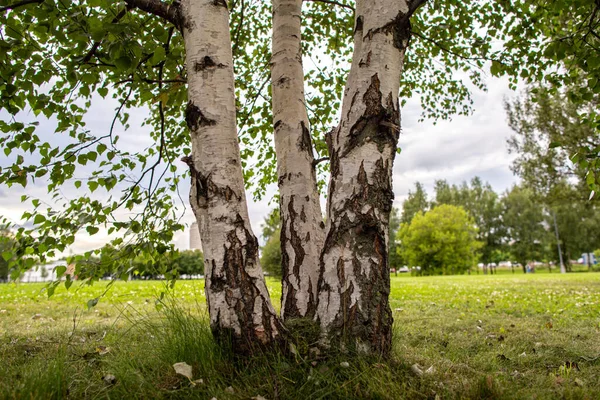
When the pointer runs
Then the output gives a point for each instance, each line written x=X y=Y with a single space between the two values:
x=184 y=369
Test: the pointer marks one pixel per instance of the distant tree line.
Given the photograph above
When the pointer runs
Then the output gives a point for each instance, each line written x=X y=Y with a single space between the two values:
x=517 y=225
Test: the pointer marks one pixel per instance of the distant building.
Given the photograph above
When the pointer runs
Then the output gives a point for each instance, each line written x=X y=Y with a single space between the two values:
x=195 y=242
x=41 y=273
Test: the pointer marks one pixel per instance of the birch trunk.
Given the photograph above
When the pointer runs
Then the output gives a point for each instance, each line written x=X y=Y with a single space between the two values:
x=238 y=301
x=302 y=231
x=354 y=286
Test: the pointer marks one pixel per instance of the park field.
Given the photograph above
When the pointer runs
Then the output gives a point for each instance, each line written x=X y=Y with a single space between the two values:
x=503 y=336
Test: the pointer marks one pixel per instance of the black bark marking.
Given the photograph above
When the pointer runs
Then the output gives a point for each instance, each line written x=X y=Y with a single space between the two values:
x=195 y=119
x=359 y=24
x=305 y=143
x=277 y=124
x=284 y=80
x=207 y=63
x=400 y=27
x=365 y=63
x=221 y=3
x=379 y=122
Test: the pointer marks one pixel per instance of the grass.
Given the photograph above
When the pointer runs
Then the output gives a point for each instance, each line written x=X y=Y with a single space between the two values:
x=499 y=336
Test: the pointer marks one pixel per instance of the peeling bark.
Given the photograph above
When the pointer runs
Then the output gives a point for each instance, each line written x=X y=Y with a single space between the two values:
x=238 y=301
x=353 y=305
x=302 y=234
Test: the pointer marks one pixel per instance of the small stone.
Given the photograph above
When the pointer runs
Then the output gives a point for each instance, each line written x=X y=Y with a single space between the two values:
x=229 y=390
x=480 y=329
x=344 y=364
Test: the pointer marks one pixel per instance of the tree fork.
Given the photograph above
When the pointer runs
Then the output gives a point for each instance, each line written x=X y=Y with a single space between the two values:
x=302 y=233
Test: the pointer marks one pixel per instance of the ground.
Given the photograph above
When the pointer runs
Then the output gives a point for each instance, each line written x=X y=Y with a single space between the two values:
x=461 y=337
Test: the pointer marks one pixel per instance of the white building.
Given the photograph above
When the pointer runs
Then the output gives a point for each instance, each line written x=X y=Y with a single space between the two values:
x=195 y=242
x=42 y=273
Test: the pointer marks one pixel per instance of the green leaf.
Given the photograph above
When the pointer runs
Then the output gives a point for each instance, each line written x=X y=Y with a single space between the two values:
x=92 y=230
x=60 y=271
x=92 y=303
x=554 y=145
x=39 y=219
x=7 y=255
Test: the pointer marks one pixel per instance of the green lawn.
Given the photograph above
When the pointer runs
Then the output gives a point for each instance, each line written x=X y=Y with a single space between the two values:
x=502 y=336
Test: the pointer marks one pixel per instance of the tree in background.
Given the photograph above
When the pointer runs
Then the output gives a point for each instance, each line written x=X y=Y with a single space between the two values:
x=441 y=241
x=6 y=243
x=188 y=262
x=416 y=202
x=394 y=254
x=523 y=218
x=483 y=206
x=271 y=255
x=548 y=130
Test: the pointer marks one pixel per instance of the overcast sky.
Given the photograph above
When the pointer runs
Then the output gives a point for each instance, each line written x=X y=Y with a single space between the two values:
x=456 y=150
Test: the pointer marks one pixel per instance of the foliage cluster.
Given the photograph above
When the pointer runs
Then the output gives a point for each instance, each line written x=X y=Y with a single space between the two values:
x=441 y=242
x=517 y=225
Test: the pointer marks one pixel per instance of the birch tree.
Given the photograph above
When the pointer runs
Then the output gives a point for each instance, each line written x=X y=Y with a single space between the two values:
x=221 y=78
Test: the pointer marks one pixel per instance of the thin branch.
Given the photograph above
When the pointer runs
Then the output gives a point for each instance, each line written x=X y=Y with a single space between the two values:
x=160 y=82
x=450 y=51
x=335 y=3
x=20 y=4
x=319 y=161
x=169 y=12
x=97 y=44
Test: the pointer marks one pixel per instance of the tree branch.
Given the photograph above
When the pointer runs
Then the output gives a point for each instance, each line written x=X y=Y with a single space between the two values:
x=319 y=160
x=20 y=4
x=97 y=44
x=169 y=12
x=335 y=3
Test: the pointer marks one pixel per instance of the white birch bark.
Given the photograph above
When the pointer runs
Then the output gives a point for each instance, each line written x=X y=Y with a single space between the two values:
x=353 y=307
x=302 y=232
x=238 y=301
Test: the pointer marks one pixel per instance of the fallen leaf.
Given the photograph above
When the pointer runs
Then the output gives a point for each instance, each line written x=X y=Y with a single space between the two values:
x=102 y=350
x=258 y=398
x=230 y=390
x=430 y=370
x=502 y=357
x=110 y=379
x=549 y=324
x=579 y=382
x=523 y=354
x=184 y=369
x=37 y=316
x=415 y=368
